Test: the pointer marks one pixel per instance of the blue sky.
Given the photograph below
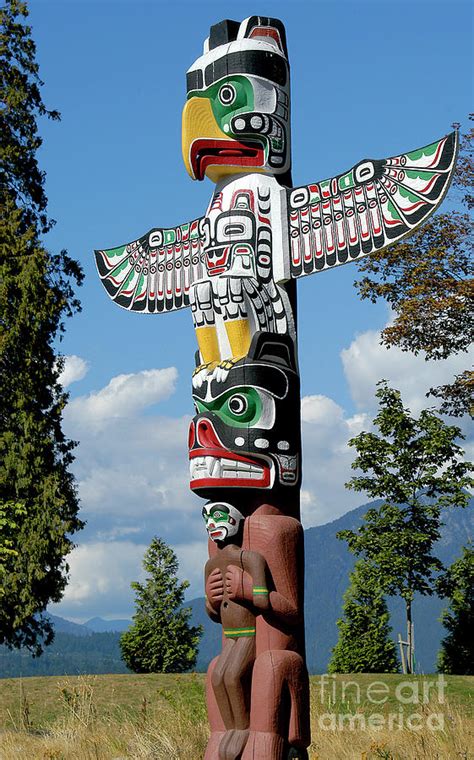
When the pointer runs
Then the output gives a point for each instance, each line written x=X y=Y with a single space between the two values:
x=369 y=79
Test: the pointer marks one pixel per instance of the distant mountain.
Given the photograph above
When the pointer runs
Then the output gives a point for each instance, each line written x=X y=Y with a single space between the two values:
x=69 y=654
x=99 y=625
x=327 y=566
x=94 y=646
x=61 y=625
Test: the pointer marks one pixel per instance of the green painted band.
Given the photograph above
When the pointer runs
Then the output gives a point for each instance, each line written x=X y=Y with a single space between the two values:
x=259 y=590
x=233 y=633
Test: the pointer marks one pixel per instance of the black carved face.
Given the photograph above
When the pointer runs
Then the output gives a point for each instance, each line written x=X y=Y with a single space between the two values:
x=246 y=433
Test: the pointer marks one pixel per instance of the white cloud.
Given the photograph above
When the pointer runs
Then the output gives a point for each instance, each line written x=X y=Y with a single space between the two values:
x=124 y=396
x=132 y=469
x=366 y=362
x=75 y=368
x=327 y=428
x=101 y=573
x=326 y=460
x=320 y=410
x=100 y=577
x=192 y=557
x=133 y=479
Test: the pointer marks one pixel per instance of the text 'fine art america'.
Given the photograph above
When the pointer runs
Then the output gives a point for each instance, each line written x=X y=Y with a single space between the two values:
x=236 y=269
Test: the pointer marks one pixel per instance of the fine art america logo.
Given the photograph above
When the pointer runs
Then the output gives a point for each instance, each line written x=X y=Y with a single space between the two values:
x=407 y=705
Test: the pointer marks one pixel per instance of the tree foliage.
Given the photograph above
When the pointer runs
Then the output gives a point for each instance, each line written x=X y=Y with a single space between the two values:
x=457 y=584
x=415 y=465
x=427 y=280
x=36 y=294
x=160 y=640
x=364 y=644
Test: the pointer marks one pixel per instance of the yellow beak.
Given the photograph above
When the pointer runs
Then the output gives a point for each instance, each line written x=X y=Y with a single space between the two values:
x=198 y=123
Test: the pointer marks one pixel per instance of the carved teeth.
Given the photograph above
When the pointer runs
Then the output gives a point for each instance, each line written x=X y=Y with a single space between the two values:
x=216 y=467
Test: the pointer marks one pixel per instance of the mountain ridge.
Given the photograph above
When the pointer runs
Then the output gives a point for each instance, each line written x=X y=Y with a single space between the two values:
x=79 y=648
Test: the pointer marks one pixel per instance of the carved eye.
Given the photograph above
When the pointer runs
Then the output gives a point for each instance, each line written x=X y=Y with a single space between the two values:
x=234 y=229
x=227 y=94
x=238 y=404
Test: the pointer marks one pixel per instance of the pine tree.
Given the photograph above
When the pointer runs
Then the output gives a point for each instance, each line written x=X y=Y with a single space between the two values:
x=456 y=656
x=38 y=501
x=416 y=466
x=160 y=640
x=364 y=644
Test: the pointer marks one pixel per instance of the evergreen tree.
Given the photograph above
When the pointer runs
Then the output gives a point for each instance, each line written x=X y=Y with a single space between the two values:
x=38 y=502
x=160 y=640
x=364 y=644
x=415 y=465
x=428 y=281
x=456 y=656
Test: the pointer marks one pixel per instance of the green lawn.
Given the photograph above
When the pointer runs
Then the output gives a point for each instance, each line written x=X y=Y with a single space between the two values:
x=48 y=696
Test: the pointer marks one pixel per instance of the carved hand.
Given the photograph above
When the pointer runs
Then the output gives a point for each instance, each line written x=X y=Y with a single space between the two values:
x=215 y=589
x=238 y=584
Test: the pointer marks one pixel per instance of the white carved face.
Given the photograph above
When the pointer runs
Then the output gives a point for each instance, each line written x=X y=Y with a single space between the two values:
x=222 y=520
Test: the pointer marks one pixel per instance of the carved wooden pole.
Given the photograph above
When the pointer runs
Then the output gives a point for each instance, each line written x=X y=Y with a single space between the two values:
x=236 y=268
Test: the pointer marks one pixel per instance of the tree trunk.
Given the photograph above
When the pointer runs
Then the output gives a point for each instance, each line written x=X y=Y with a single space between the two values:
x=409 y=639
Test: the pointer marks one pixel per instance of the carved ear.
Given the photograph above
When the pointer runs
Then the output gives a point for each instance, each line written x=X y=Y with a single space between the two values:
x=222 y=33
x=274 y=349
x=264 y=28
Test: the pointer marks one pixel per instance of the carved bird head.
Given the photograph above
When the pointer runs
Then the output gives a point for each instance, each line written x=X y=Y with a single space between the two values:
x=236 y=118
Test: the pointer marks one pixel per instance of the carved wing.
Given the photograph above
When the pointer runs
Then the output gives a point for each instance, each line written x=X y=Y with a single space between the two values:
x=372 y=205
x=154 y=273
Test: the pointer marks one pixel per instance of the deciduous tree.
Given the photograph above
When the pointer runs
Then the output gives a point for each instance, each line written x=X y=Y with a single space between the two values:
x=428 y=281
x=160 y=640
x=38 y=501
x=416 y=467
x=364 y=644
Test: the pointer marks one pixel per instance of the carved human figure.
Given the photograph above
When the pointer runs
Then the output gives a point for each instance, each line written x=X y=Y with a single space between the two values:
x=231 y=674
x=265 y=553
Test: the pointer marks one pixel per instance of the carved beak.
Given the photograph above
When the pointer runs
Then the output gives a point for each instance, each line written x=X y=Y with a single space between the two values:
x=208 y=151
x=199 y=124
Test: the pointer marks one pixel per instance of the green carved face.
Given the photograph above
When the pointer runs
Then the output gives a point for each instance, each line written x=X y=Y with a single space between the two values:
x=228 y=97
x=222 y=520
x=239 y=407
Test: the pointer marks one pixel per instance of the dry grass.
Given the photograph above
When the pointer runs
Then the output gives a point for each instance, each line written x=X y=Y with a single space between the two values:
x=158 y=717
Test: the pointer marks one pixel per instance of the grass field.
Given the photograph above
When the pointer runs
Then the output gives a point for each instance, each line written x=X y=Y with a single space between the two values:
x=113 y=717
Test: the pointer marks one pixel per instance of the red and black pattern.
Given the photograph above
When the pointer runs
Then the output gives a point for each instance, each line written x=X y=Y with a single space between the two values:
x=154 y=273
x=374 y=204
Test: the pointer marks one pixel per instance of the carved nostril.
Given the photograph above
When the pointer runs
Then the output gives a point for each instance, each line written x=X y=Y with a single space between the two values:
x=206 y=435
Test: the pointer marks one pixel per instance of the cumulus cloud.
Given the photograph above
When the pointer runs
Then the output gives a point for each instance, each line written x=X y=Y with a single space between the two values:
x=326 y=429
x=100 y=577
x=75 y=368
x=192 y=557
x=366 y=361
x=124 y=396
x=132 y=473
x=101 y=573
x=131 y=462
x=132 y=468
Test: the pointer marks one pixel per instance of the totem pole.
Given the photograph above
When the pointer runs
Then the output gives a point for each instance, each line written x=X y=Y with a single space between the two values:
x=236 y=268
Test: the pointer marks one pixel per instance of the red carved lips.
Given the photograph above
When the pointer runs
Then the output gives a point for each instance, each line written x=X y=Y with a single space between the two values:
x=213 y=466
x=211 y=152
